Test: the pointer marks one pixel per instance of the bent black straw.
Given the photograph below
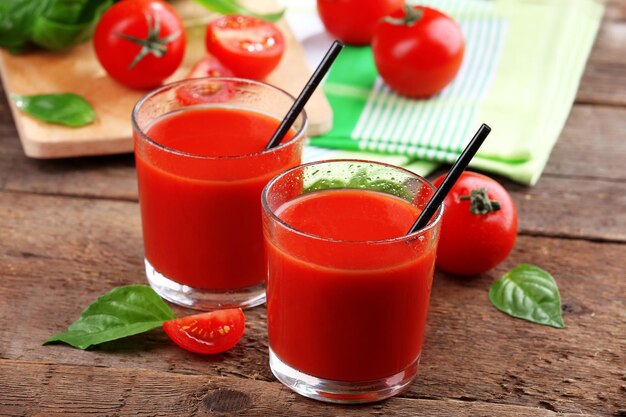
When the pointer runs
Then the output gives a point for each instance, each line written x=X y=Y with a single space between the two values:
x=306 y=93
x=454 y=174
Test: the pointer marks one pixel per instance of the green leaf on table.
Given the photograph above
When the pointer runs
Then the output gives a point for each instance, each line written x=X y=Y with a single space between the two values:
x=123 y=311
x=67 y=108
x=530 y=293
x=235 y=7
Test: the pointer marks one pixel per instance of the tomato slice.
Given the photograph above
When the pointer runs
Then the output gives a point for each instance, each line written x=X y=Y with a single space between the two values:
x=205 y=92
x=209 y=66
x=249 y=46
x=206 y=333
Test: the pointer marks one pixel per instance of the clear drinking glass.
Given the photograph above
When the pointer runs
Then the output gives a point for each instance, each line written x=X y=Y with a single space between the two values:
x=201 y=167
x=347 y=312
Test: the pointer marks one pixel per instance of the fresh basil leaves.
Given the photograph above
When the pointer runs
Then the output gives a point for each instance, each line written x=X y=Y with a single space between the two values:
x=123 y=311
x=67 y=108
x=530 y=293
x=50 y=24
x=362 y=181
x=235 y=7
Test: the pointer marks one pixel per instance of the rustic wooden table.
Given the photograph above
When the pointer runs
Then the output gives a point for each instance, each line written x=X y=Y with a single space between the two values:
x=70 y=231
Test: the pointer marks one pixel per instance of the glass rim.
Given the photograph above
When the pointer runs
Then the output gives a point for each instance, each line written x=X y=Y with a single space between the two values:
x=431 y=224
x=136 y=108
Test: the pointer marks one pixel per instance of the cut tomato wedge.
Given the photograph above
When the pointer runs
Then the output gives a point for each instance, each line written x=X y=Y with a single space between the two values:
x=209 y=66
x=207 y=333
x=205 y=91
x=249 y=46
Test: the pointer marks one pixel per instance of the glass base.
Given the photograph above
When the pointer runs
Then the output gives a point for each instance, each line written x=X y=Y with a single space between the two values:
x=201 y=299
x=342 y=392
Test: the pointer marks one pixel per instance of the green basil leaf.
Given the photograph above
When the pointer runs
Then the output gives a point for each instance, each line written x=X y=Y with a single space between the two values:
x=67 y=23
x=123 y=311
x=52 y=24
x=16 y=21
x=67 y=108
x=235 y=7
x=530 y=293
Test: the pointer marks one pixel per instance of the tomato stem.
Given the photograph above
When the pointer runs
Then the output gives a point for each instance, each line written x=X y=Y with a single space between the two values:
x=152 y=44
x=411 y=16
x=480 y=203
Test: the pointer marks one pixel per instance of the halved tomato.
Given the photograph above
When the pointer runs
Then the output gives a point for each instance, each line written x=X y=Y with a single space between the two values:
x=249 y=46
x=212 y=332
x=205 y=91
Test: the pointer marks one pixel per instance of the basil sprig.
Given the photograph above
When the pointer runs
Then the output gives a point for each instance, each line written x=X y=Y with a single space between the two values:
x=67 y=108
x=50 y=24
x=530 y=293
x=123 y=311
x=235 y=7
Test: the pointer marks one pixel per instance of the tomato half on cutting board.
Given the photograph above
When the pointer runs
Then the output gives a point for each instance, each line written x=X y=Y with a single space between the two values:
x=250 y=47
x=212 y=332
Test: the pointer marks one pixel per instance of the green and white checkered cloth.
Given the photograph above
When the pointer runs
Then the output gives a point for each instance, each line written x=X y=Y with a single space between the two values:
x=522 y=66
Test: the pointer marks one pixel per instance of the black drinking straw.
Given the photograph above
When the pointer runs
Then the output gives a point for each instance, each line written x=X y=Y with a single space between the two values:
x=454 y=174
x=304 y=96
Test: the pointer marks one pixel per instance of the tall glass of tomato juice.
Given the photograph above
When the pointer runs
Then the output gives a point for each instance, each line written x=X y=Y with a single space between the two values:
x=201 y=167
x=347 y=289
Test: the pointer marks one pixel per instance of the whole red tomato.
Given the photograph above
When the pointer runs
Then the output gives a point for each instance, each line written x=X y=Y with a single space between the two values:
x=248 y=46
x=353 y=21
x=479 y=225
x=140 y=42
x=418 y=50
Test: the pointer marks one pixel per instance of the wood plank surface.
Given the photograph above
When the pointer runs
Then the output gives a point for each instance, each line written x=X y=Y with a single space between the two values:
x=140 y=393
x=59 y=253
x=605 y=73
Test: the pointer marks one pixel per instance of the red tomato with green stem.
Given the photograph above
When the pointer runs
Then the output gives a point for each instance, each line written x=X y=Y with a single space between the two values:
x=207 y=333
x=418 y=51
x=353 y=21
x=250 y=47
x=140 y=42
x=479 y=225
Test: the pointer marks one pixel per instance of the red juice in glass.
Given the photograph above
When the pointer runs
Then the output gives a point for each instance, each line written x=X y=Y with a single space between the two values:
x=201 y=168
x=347 y=291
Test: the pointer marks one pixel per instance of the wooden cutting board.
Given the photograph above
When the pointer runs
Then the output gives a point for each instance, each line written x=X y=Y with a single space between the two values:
x=78 y=71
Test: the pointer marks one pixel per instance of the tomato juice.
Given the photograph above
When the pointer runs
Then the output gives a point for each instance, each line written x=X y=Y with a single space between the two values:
x=347 y=291
x=200 y=177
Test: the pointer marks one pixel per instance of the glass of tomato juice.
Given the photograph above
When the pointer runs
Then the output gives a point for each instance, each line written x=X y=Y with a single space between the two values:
x=201 y=167
x=347 y=289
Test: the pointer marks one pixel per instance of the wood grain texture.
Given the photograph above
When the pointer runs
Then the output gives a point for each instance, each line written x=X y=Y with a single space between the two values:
x=78 y=71
x=57 y=254
x=604 y=79
x=43 y=389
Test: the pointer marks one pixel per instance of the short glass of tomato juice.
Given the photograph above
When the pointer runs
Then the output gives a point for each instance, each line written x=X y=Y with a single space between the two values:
x=347 y=289
x=201 y=167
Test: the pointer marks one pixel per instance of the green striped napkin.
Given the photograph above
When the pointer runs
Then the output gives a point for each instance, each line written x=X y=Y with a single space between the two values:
x=522 y=65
